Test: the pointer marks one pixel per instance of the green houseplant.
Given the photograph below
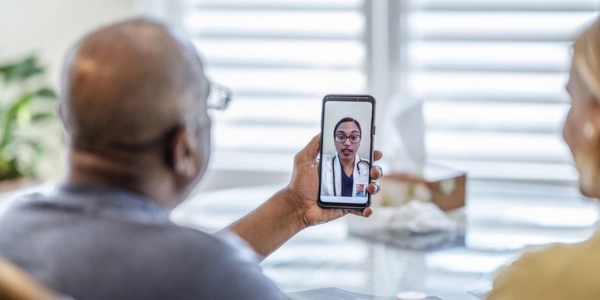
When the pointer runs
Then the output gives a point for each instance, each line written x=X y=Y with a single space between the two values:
x=26 y=107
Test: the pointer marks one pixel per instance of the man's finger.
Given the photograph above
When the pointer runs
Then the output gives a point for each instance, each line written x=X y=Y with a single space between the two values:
x=373 y=188
x=362 y=213
x=376 y=172
x=377 y=155
x=312 y=149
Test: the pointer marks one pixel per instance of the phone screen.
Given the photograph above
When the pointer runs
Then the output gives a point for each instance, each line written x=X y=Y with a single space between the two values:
x=347 y=130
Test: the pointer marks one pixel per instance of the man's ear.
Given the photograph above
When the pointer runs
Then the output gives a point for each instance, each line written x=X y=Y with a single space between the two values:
x=184 y=153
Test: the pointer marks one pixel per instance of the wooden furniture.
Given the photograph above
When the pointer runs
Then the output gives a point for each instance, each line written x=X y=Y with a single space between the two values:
x=16 y=284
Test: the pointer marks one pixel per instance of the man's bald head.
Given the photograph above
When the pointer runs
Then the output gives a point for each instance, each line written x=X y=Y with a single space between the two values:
x=129 y=84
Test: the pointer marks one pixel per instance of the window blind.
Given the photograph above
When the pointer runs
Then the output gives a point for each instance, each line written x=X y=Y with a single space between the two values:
x=279 y=58
x=492 y=76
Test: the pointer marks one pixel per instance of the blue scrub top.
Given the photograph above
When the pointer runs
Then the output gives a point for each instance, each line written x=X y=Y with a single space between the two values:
x=347 y=184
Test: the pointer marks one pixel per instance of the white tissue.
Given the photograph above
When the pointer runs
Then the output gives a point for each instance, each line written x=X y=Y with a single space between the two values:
x=419 y=217
x=405 y=136
x=414 y=216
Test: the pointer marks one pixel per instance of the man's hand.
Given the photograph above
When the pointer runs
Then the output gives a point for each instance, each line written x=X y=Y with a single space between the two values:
x=304 y=187
x=294 y=207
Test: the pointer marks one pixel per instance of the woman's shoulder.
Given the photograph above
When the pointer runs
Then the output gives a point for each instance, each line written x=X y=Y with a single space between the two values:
x=559 y=269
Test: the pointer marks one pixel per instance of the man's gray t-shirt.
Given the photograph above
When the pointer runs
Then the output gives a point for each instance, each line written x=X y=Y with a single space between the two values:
x=94 y=242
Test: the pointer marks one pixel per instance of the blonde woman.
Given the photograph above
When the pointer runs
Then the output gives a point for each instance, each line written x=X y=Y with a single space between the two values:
x=568 y=271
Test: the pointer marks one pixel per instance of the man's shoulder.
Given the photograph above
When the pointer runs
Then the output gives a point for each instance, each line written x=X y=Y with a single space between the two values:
x=196 y=241
x=149 y=257
x=23 y=204
x=135 y=229
x=219 y=264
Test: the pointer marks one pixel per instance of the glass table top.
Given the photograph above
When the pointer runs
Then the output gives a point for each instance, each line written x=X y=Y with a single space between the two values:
x=498 y=223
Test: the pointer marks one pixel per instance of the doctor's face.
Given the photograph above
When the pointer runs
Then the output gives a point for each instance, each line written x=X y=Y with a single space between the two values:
x=344 y=134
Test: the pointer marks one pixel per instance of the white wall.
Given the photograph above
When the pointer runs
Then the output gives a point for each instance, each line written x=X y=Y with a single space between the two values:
x=51 y=27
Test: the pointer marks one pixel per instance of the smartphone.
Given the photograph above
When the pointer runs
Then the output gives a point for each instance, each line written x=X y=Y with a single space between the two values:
x=346 y=154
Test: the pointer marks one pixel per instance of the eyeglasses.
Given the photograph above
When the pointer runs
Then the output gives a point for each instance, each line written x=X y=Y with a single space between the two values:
x=340 y=138
x=218 y=97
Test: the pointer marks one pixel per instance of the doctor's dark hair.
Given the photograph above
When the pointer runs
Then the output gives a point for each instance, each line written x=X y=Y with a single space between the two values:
x=344 y=120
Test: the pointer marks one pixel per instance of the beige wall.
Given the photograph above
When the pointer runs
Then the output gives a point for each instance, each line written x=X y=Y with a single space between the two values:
x=51 y=27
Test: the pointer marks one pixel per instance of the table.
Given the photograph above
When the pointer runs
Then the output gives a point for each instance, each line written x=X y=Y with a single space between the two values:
x=499 y=221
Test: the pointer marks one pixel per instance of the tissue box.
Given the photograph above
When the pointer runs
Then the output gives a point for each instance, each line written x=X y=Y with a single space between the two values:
x=443 y=186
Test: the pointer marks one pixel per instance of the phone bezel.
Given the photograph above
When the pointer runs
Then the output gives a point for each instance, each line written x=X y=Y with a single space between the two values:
x=346 y=98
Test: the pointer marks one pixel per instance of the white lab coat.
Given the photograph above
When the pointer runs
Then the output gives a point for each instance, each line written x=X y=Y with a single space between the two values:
x=327 y=176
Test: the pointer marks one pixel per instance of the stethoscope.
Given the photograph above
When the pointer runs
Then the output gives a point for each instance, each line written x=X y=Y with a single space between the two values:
x=361 y=163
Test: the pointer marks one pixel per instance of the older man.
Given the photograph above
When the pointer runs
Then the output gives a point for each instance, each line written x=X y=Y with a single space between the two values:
x=134 y=108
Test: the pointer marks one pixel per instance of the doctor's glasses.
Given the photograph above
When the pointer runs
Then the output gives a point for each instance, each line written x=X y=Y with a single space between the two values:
x=340 y=138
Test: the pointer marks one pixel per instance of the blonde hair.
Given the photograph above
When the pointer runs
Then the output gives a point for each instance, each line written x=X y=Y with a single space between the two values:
x=586 y=58
x=586 y=62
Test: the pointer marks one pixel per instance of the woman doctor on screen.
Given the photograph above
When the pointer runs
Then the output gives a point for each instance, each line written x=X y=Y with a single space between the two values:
x=343 y=172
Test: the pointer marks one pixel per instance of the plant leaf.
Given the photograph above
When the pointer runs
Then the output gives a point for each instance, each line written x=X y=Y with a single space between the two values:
x=42 y=116
x=24 y=100
x=21 y=70
x=7 y=69
x=38 y=151
x=9 y=169
x=20 y=154
x=11 y=119
x=23 y=115
x=46 y=92
x=27 y=68
x=16 y=169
